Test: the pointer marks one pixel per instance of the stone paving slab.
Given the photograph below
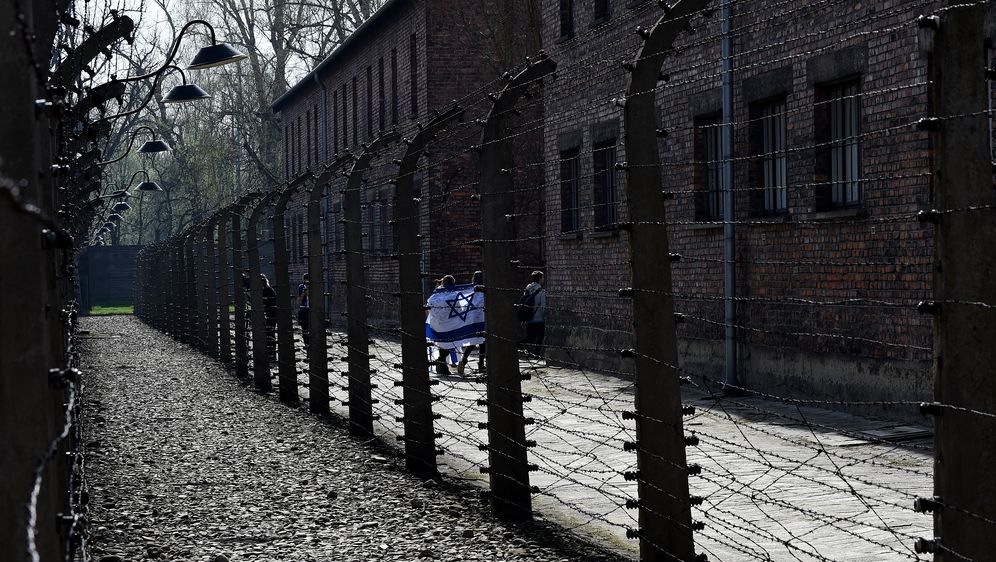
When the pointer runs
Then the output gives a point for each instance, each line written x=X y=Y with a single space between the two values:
x=778 y=482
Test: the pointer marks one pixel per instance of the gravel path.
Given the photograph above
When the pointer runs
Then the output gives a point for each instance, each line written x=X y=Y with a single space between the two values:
x=187 y=464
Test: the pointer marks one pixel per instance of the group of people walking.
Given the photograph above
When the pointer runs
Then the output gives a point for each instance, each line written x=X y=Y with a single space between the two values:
x=455 y=321
x=454 y=318
x=270 y=310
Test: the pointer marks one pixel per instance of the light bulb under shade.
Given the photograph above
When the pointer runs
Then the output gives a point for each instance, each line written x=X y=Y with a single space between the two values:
x=185 y=93
x=148 y=186
x=153 y=146
x=215 y=55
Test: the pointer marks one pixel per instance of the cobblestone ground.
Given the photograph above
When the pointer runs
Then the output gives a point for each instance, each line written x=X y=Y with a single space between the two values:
x=778 y=482
x=186 y=464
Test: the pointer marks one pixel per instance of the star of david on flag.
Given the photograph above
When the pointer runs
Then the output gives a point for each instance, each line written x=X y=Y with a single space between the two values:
x=456 y=317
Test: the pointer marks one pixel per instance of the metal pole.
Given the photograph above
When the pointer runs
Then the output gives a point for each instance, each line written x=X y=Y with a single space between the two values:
x=964 y=269
x=665 y=531
x=358 y=355
x=729 y=201
x=509 y=465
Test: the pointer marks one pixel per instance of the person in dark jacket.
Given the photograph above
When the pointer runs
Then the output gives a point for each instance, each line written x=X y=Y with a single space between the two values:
x=536 y=325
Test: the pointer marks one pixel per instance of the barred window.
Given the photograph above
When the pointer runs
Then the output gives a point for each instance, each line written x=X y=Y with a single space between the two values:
x=566 y=19
x=345 y=118
x=774 y=164
x=370 y=103
x=413 y=69
x=318 y=136
x=302 y=235
x=602 y=9
x=381 y=108
x=307 y=130
x=845 y=168
x=838 y=132
x=604 y=183
x=394 y=86
x=335 y=121
x=708 y=168
x=570 y=204
x=337 y=229
x=356 y=118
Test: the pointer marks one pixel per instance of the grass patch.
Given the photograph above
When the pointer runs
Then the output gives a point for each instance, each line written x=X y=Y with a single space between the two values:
x=108 y=310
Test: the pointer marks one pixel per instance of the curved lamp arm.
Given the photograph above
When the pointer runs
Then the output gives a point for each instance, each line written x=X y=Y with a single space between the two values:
x=136 y=174
x=152 y=91
x=130 y=143
x=174 y=48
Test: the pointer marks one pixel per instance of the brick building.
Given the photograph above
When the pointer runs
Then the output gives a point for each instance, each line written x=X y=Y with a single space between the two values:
x=408 y=60
x=828 y=171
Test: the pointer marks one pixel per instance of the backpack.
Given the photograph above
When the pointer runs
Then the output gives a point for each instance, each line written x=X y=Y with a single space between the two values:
x=525 y=307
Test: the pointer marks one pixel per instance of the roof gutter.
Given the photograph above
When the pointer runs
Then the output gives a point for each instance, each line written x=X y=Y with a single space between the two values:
x=278 y=104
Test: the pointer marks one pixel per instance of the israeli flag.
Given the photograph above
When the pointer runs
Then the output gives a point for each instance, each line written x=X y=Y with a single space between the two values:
x=456 y=317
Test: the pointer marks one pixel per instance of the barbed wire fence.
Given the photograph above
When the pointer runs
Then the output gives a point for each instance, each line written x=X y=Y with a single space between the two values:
x=611 y=429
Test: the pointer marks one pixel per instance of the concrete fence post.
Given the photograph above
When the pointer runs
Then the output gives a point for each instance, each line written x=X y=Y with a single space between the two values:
x=190 y=325
x=509 y=466
x=318 y=366
x=357 y=334
x=665 y=520
x=224 y=297
x=210 y=291
x=260 y=348
x=286 y=350
x=239 y=296
x=420 y=441
x=964 y=269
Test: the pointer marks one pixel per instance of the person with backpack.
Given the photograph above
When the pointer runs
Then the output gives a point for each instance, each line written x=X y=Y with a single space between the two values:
x=531 y=311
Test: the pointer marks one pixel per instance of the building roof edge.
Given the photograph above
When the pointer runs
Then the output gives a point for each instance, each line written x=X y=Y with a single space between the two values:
x=389 y=6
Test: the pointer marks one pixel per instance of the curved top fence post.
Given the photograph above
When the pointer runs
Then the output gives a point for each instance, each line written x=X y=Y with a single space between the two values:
x=420 y=442
x=260 y=353
x=318 y=367
x=665 y=512
x=358 y=356
x=286 y=352
x=509 y=474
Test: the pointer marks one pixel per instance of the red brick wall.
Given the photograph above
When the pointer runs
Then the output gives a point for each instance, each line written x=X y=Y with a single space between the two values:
x=447 y=70
x=879 y=255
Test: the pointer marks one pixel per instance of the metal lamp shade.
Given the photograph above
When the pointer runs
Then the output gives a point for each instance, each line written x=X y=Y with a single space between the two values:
x=154 y=146
x=185 y=93
x=149 y=186
x=115 y=218
x=215 y=55
x=122 y=206
x=109 y=226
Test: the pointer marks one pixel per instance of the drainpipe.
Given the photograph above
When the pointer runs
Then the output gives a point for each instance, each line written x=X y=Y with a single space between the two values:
x=729 y=229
